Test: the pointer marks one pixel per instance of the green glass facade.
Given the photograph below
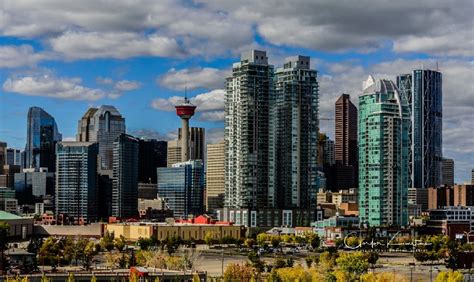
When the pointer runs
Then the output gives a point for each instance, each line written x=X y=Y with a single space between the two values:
x=383 y=155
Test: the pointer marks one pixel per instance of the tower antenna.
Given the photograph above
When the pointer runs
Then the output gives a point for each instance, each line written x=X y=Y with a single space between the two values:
x=185 y=94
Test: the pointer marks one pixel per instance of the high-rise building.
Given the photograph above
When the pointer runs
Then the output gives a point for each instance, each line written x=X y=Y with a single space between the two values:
x=294 y=130
x=472 y=176
x=13 y=157
x=422 y=90
x=439 y=197
x=182 y=188
x=3 y=154
x=102 y=125
x=196 y=145
x=76 y=182
x=447 y=174
x=383 y=154
x=346 y=131
x=173 y=154
x=247 y=107
x=463 y=195
x=41 y=138
x=152 y=154
x=125 y=180
x=215 y=188
x=31 y=185
x=7 y=179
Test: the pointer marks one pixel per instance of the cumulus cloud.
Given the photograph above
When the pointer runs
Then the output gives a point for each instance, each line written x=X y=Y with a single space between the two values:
x=104 y=80
x=12 y=56
x=210 y=105
x=127 y=85
x=148 y=133
x=119 y=45
x=53 y=87
x=193 y=78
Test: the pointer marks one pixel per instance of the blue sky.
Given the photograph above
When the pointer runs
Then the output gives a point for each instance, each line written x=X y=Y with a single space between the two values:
x=66 y=56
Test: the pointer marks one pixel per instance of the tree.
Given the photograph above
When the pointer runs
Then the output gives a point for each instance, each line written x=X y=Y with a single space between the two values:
x=256 y=262
x=144 y=243
x=313 y=240
x=372 y=258
x=107 y=242
x=4 y=230
x=237 y=272
x=452 y=255
x=209 y=238
x=50 y=252
x=421 y=256
x=449 y=276
x=88 y=255
x=172 y=244
x=249 y=243
x=119 y=243
x=275 y=241
x=297 y=273
x=261 y=239
x=354 y=264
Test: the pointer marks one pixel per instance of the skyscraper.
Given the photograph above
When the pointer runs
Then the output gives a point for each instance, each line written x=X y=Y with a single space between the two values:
x=102 y=125
x=294 y=128
x=447 y=172
x=247 y=100
x=152 y=155
x=383 y=154
x=182 y=188
x=13 y=157
x=196 y=145
x=346 y=131
x=42 y=136
x=125 y=177
x=3 y=154
x=423 y=91
x=215 y=176
x=76 y=182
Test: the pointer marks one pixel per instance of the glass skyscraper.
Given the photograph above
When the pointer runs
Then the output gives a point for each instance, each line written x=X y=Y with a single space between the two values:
x=125 y=177
x=42 y=136
x=383 y=154
x=247 y=102
x=76 y=182
x=293 y=136
x=102 y=125
x=182 y=188
x=423 y=91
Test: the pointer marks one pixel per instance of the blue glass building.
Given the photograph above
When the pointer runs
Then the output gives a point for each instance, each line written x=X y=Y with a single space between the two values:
x=42 y=136
x=423 y=91
x=182 y=187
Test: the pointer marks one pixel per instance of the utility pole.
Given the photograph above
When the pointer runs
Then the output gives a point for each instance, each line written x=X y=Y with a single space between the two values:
x=222 y=263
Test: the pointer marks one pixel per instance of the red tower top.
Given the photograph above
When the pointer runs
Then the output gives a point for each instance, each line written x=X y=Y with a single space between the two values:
x=185 y=110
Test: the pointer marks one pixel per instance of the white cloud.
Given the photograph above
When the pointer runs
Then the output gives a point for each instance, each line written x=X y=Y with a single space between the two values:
x=209 y=78
x=210 y=105
x=12 y=56
x=69 y=138
x=127 y=85
x=120 y=45
x=104 y=80
x=49 y=86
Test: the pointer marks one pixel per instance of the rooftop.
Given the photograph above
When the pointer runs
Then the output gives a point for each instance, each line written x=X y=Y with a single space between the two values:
x=8 y=216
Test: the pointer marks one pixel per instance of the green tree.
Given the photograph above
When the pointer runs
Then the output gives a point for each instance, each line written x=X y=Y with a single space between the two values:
x=107 y=242
x=50 y=252
x=275 y=241
x=209 y=238
x=353 y=264
x=313 y=240
x=256 y=262
x=237 y=272
x=249 y=243
x=172 y=244
x=88 y=255
x=119 y=243
x=261 y=239
x=449 y=276
x=421 y=256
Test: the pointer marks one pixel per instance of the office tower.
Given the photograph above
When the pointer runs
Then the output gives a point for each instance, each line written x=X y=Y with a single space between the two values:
x=31 y=186
x=439 y=197
x=294 y=130
x=326 y=156
x=7 y=179
x=247 y=99
x=182 y=188
x=125 y=181
x=3 y=154
x=423 y=91
x=76 y=182
x=418 y=196
x=8 y=202
x=447 y=174
x=346 y=131
x=197 y=142
x=86 y=126
x=463 y=195
x=173 y=152
x=102 y=125
x=152 y=154
x=105 y=187
x=185 y=111
x=383 y=154
x=148 y=191
x=196 y=146
x=13 y=157
x=215 y=188
x=41 y=138
x=472 y=176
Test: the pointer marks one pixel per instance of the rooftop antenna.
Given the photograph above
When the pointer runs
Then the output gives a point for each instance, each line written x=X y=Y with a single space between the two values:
x=185 y=94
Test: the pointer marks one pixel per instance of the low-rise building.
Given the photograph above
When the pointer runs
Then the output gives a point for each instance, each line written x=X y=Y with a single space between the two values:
x=344 y=196
x=20 y=227
x=451 y=221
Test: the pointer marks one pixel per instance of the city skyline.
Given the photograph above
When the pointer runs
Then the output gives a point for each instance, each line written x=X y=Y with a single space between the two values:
x=44 y=63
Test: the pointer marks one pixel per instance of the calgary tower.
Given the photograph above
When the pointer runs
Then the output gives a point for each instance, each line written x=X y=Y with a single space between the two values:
x=185 y=111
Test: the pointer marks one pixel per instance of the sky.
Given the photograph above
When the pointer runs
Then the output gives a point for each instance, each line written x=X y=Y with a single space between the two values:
x=140 y=55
